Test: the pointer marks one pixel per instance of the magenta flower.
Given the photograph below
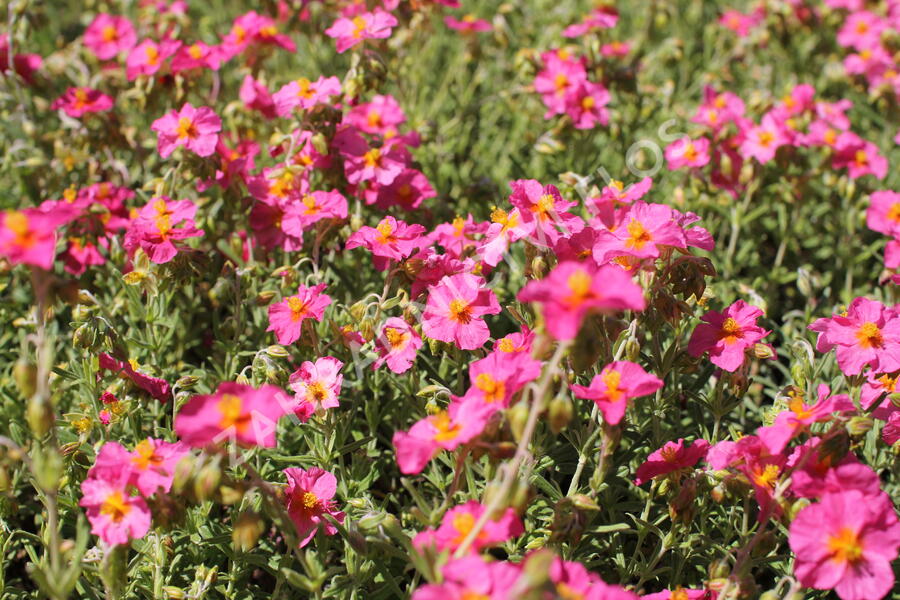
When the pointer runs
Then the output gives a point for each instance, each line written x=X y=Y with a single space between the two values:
x=28 y=236
x=867 y=335
x=504 y=229
x=154 y=230
x=397 y=345
x=256 y=96
x=156 y=387
x=308 y=497
x=673 y=456
x=496 y=378
x=236 y=412
x=380 y=116
x=151 y=467
x=147 y=58
x=444 y=430
x=459 y=521
x=78 y=101
x=572 y=290
x=468 y=24
x=316 y=386
x=685 y=152
x=455 y=310
x=761 y=142
x=107 y=35
x=727 y=335
x=197 y=56
x=115 y=515
x=286 y=317
x=883 y=214
x=470 y=578
x=349 y=32
x=305 y=93
x=573 y=580
x=544 y=208
x=390 y=240
x=312 y=208
x=561 y=75
x=615 y=385
x=640 y=231
x=362 y=163
x=799 y=416
x=407 y=191
x=846 y=542
x=196 y=129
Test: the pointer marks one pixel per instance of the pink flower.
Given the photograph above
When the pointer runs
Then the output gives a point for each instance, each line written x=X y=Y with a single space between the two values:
x=459 y=521
x=156 y=387
x=380 y=116
x=790 y=423
x=363 y=163
x=572 y=290
x=255 y=96
x=115 y=515
x=455 y=310
x=641 y=231
x=673 y=456
x=859 y=157
x=444 y=430
x=316 y=386
x=196 y=129
x=891 y=432
x=561 y=75
x=847 y=542
x=367 y=25
x=78 y=101
x=197 y=56
x=148 y=57
x=599 y=18
x=883 y=214
x=107 y=35
x=308 y=497
x=236 y=413
x=867 y=335
x=286 y=317
x=572 y=580
x=407 y=191
x=305 y=93
x=468 y=24
x=504 y=229
x=390 y=240
x=24 y=65
x=28 y=236
x=761 y=142
x=544 y=208
x=312 y=208
x=397 y=345
x=685 y=152
x=861 y=30
x=150 y=468
x=471 y=578
x=586 y=105
x=154 y=230
x=615 y=385
x=727 y=335
x=739 y=22
x=680 y=593
x=496 y=378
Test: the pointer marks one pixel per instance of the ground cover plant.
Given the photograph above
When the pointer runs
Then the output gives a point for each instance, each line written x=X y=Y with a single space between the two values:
x=444 y=299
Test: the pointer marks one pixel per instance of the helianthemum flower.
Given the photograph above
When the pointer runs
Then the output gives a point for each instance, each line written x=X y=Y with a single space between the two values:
x=799 y=416
x=458 y=523
x=286 y=317
x=107 y=35
x=572 y=290
x=615 y=385
x=349 y=32
x=727 y=335
x=78 y=101
x=397 y=345
x=673 y=456
x=308 y=498
x=115 y=514
x=868 y=334
x=455 y=310
x=236 y=412
x=197 y=129
x=847 y=542
x=316 y=386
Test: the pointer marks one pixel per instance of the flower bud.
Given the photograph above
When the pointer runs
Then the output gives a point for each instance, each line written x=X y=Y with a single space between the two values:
x=518 y=416
x=560 y=413
x=25 y=376
x=247 y=529
x=859 y=426
x=265 y=297
x=207 y=481
x=173 y=593
x=276 y=351
x=39 y=414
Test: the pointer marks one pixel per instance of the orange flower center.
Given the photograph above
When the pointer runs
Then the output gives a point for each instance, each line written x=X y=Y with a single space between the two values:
x=359 y=25
x=845 y=546
x=869 y=335
x=460 y=311
x=446 y=430
x=579 y=284
x=396 y=338
x=299 y=308
x=233 y=415
x=186 y=129
x=385 y=233
x=372 y=158
x=611 y=379
x=110 y=34
x=638 y=236
x=731 y=331
x=17 y=222
x=146 y=456
x=115 y=507
x=494 y=390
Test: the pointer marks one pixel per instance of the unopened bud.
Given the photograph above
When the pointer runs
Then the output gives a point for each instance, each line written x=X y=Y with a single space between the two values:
x=263 y=298
x=276 y=351
x=518 y=416
x=763 y=351
x=207 y=481
x=859 y=426
x=247 y=529
x=25 y=375
x=186 y=382
x=560 y=413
